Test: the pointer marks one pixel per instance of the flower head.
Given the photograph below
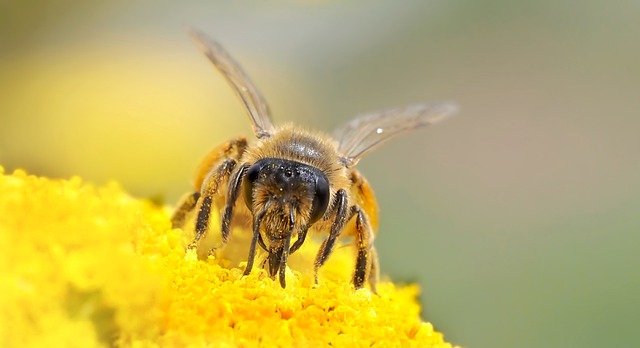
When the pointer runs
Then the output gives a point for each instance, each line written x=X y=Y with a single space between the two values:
x=86 y=266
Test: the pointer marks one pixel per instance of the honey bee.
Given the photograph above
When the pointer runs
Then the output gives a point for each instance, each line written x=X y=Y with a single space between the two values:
x=292 y=179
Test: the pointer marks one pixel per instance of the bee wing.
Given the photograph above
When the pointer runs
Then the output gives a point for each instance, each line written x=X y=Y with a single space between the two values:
x=368 y=131
x=254 y=102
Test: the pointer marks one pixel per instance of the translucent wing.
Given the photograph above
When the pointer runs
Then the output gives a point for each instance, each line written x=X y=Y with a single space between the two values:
x=368 y=131
x=244 y=88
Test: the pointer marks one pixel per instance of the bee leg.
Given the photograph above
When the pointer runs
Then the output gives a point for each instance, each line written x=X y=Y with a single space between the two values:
x=210 y=188
x=374 y=274
x=366 y=258
x=264 y=262
x=257 y=238
x=326 y=248
x=252 y=249
x=211 y=172
x=298 y=243
x=187 y=204
x=232 y=196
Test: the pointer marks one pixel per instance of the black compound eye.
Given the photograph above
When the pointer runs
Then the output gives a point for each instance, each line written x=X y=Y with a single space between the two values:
x=249 y=178
x=253 y=172
x=320 y=199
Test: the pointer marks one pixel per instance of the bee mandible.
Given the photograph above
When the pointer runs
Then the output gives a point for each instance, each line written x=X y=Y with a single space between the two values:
x=292 y=179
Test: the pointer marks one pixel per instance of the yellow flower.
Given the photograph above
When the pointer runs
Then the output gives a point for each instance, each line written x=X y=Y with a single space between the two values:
x=82 y=266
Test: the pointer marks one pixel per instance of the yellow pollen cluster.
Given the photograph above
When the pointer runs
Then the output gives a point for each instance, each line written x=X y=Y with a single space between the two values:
x=82 y=266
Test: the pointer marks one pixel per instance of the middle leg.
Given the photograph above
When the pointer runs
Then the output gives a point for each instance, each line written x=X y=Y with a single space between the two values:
x=341 y=210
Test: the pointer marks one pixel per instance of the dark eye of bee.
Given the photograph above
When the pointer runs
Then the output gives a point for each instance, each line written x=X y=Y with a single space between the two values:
x=320 y=199
x=249 y=178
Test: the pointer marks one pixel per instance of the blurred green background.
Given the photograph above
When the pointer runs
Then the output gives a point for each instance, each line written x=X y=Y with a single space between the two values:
x=519 y=219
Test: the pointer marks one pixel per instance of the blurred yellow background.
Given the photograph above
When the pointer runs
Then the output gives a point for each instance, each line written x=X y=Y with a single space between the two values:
x=519 y=218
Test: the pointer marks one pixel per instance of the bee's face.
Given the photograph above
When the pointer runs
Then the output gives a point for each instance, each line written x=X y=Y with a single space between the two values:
x=290 y=195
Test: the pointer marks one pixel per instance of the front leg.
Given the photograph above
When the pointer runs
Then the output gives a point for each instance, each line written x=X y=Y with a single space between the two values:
x=235 y=183
x=210 y=188
x=302 y=235
x=257 y=221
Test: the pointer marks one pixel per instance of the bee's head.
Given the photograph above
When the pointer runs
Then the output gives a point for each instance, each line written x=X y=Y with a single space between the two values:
x=290 y=193
x=285 y=197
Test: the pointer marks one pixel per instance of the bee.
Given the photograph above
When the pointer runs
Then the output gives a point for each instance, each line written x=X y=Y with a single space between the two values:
x=292 y=179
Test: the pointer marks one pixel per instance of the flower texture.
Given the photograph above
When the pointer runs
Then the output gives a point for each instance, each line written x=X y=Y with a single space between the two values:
x=82 y=266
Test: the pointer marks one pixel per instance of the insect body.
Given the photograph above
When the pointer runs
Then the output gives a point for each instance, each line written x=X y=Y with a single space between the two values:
x=292 y=179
